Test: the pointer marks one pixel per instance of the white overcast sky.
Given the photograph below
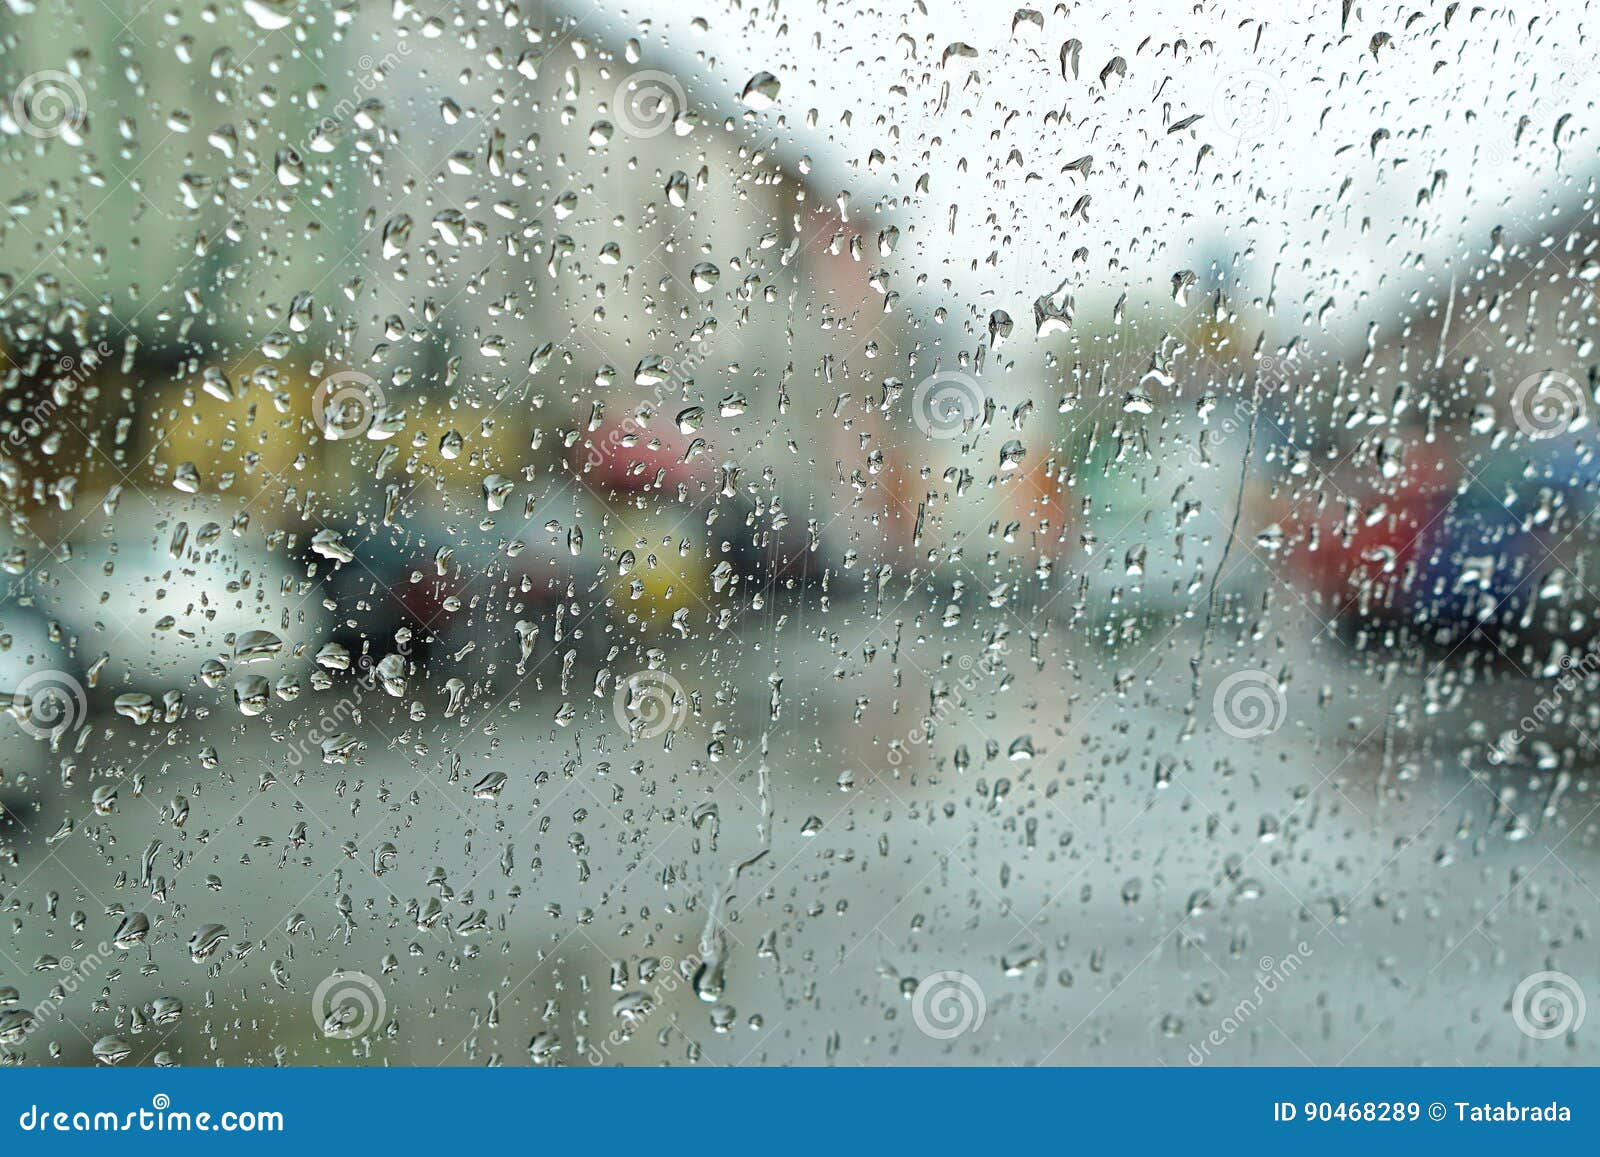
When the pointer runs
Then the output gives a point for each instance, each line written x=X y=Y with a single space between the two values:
x=1299 y=190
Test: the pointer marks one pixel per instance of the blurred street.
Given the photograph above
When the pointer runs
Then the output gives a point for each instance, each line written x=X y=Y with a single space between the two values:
x=1118 y=909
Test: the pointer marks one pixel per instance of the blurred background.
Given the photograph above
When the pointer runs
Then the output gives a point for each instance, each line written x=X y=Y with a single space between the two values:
x=766 y=535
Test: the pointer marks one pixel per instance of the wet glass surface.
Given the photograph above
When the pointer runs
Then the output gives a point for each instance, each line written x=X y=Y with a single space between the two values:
x=770 y=534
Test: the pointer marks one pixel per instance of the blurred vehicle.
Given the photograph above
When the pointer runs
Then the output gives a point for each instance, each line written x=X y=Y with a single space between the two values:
x=166 y=593
x=1445 y=553
x=649 y=478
